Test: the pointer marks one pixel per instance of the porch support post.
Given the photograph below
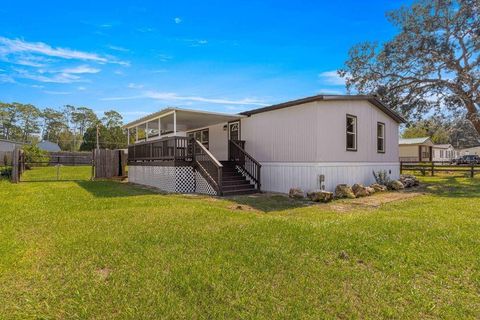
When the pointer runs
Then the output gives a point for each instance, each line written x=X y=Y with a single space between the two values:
x=128 y=136
x=146 y=131
x=174 y=122
x=159 y=127
x=136 y=134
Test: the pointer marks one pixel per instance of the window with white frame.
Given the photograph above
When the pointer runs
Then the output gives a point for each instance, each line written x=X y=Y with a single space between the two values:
x=200 y=135
x=380 y=137
x=351 y=130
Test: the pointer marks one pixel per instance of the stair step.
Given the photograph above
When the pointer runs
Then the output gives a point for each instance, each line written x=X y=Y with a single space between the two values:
x=235 y=182
x=238 y=187
x=233 y=178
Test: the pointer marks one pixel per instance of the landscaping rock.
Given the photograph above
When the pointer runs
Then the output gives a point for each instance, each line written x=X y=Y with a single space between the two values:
x=395 y=185
x=320 y=196
x=378 y=187
x=344 y=191
x=409 y=180
x=296 y=193
x=359 y=190
x=370 y=190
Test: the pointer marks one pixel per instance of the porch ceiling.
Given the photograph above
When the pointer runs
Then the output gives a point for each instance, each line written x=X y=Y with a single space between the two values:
x=190 y=119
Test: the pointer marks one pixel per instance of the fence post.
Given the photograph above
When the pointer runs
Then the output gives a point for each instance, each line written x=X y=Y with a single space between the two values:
x=401 y=167
x=472 y=170
x=433 y=168
x=16 y=166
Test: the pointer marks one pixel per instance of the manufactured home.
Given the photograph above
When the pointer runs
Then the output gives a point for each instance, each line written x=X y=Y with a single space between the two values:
x=470 y=151
x=312 y=143
x=443 y=153
x=416 y=149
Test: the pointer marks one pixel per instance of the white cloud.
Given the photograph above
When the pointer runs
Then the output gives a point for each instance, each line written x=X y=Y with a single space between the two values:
x=118 y=48
x=81 y=69
x=169 y=96
x=135 y=86
x=332 y=78
x=145 y=29
x=57 y=92
x=81 y=88
x=330 y=91
x=16 y=46
x=177 y=20
x=48 y=78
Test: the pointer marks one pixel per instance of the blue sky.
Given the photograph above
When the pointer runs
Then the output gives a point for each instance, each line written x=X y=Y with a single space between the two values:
x=140 y=56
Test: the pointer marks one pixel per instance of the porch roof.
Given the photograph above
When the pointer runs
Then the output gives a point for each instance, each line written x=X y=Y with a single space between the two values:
x=191 y=119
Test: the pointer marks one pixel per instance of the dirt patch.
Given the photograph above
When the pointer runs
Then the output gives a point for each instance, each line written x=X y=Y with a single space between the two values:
x=103 y=273
x=241 y=207
x=374 y=201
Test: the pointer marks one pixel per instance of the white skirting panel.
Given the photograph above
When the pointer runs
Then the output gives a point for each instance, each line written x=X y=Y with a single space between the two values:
x=170 y=179
x=280 y=177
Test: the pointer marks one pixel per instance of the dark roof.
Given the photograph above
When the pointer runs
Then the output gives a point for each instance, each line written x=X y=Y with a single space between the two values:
x=372 y=99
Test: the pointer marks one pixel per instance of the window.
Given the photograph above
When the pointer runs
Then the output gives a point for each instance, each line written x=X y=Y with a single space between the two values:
x=380 y=137
x=200 y=135
x=351 y=133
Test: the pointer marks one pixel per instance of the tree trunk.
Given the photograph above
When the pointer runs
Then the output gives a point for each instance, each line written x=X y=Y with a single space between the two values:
x=472 y=114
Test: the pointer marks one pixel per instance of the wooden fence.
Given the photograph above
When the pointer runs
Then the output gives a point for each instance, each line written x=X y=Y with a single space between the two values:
x=71 y=158
x=6 y=158
x=109 y=163
x=436 y=167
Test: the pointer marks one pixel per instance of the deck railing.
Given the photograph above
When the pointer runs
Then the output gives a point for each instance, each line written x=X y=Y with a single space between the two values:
x=245 y=162
x=210 y=168
x=171 y=148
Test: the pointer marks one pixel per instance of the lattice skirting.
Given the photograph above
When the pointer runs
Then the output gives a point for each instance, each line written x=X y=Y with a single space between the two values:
x=171 y=179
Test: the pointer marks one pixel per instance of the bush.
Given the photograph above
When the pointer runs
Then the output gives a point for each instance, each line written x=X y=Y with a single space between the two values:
x=6 y=172
x=32 y=153
x=382 y=177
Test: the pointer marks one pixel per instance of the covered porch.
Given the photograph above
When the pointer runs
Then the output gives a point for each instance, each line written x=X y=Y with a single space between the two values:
x=178 y=138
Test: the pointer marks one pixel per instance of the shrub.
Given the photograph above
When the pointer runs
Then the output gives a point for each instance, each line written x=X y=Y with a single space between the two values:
x=6 y=172
x=382 y=177
x=32 y=153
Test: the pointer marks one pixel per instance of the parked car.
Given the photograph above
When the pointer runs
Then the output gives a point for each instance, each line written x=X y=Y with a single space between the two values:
x=468 y=159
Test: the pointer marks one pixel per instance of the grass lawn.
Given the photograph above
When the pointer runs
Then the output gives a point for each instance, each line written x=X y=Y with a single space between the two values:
x=103 y=250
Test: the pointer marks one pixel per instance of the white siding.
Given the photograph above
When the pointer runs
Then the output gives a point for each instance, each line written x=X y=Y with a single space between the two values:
x=315 y=132
x=408 y=152
x=280 y=177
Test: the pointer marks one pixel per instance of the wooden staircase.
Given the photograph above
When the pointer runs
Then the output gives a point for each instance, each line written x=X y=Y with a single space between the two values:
x=233 y=182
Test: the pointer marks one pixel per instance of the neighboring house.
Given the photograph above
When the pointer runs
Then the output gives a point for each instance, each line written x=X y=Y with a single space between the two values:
x=443 y=152
x=416 y=149
x=49 y=146
x=311 y=143
x=9 y=145
x=470 y=151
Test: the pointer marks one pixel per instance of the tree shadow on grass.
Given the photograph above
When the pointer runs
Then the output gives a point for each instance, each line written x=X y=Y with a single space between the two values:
x=113 y=189
x=269 y=202
x=453 y=187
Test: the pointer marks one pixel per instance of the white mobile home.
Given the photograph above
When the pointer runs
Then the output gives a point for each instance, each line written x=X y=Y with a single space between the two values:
x=416 y=149
x=311 y=143
x=443 y=153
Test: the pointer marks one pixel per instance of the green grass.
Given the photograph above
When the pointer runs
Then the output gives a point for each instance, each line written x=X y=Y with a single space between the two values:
x=54 y=173
x=104 y=250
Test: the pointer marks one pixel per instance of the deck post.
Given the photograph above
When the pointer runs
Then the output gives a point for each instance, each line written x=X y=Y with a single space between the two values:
x=174 y=123
x=146 y=131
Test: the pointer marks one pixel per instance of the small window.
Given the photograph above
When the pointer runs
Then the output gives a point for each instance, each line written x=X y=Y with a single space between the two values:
x=351 y=133
x=380 y=137
x=198 y=136
x=205 y=136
